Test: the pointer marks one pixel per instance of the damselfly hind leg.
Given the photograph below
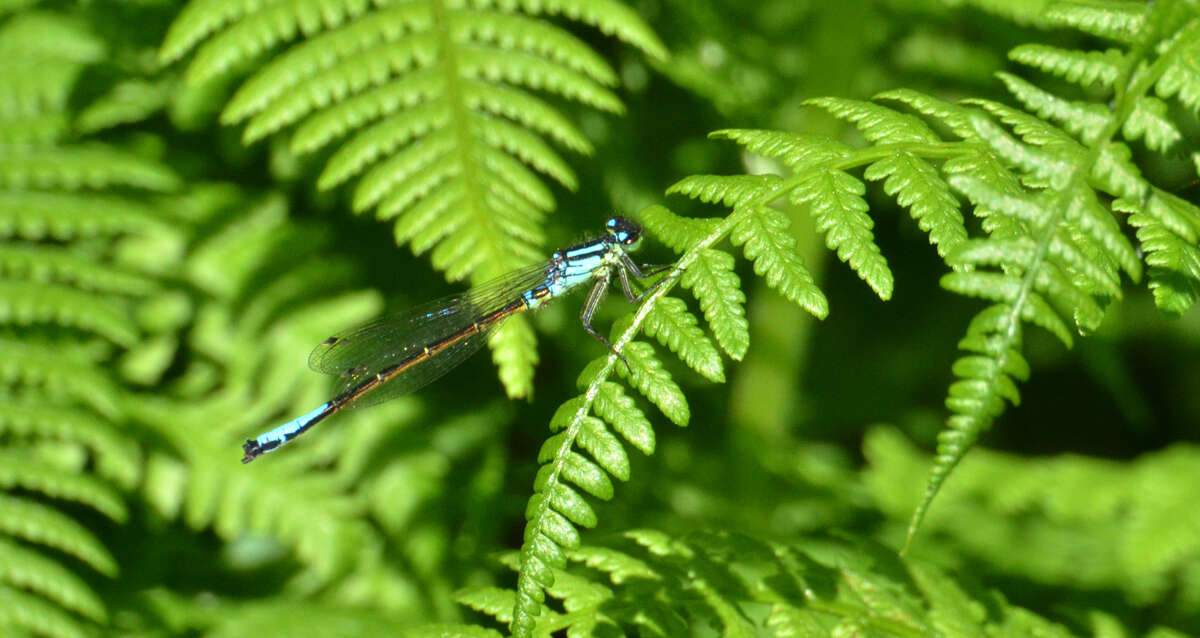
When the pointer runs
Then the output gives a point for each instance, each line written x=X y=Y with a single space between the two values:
x=595 y=296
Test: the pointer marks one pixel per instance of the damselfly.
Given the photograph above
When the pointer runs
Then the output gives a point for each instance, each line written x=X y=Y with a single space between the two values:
x=399 y=354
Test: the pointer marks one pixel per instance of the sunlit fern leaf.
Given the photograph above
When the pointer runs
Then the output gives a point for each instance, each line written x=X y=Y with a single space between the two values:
x=78 y=167
x=31 y=262
x=1085 y=68
x=674 y=327
x=1119 y=21
x=953 y=116
x=1167 y=229
x=618 y=409
x=797 y=152
x=678 y=233
x=1181 y=79
x=1083 y=119
x=1150 y=123
x=59 y=374
x=835 y=201
x=878 y=124
x=456 y=128
x=23 y=568
x=763 y=233
x=32 y=615
x=33 y=303
x=654 y=383
x=60 y=215
x=38 y=524
x=718 y=289
x=730 y=190
x=18 y=471
x=917 y=186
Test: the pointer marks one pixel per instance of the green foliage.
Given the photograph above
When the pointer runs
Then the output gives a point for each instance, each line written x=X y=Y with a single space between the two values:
x=439 y=106
x=648 y=583
x=161 y=282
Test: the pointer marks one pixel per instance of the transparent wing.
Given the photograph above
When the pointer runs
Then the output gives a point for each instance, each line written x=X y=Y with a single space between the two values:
x=360 y=353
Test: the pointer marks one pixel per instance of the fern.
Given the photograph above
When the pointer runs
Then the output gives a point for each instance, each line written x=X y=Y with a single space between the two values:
x=440 y=105
x=649 y=583
x=1134 y=536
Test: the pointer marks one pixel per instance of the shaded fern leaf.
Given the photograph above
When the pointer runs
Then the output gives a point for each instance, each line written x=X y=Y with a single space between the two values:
x=445 y=111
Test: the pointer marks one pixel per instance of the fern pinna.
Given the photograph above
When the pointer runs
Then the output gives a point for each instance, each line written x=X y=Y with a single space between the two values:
x=439 y=108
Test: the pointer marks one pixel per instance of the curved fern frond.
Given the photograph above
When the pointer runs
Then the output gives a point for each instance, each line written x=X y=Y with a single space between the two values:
x=645 y=582
x=445 y=108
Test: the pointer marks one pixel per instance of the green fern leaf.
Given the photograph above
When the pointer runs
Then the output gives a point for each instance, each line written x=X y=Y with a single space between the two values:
x=49 y=264
x=1180 y=79
x=835 y=199
x=797 y=152
x=619 y=566
x=28 y=304
x=17 y=471
x=35 y=215
x=655 y=383
x=670 y=322
x=1116 y=174
x=1150 y=123
x=24 y=612
x=878 y=124
x=678 y=233
x=1166 y=231
x=26 y=569
x=60 y=372
x=1119 y=21
x=82 y=167
x=492 y=601
x=42 y=525
x=1085 y=68
x=733 y=191
x=764 y=235
x=453 y=135
x=618 y=409
x=954 y=116
x=916 y=185
x=1083 y=119
x=718 y=289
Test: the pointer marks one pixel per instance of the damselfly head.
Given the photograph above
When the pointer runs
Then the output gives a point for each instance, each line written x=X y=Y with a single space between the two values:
x=626 y=232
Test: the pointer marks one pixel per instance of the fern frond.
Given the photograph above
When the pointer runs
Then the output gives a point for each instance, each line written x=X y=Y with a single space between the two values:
x=675 y=327
x=26 y=569
x=763 y=233
x=441 y=107
x=49 y=264
x=60 y=373
x=28 y=613
x=29 y=304
x=917 y=186
x=835 y=199
x=16 y=471
x=73 y=168
x=1085 y=68
x=36 y=523
x=35 y=215
x=1118 y=21
x=1167 y=231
